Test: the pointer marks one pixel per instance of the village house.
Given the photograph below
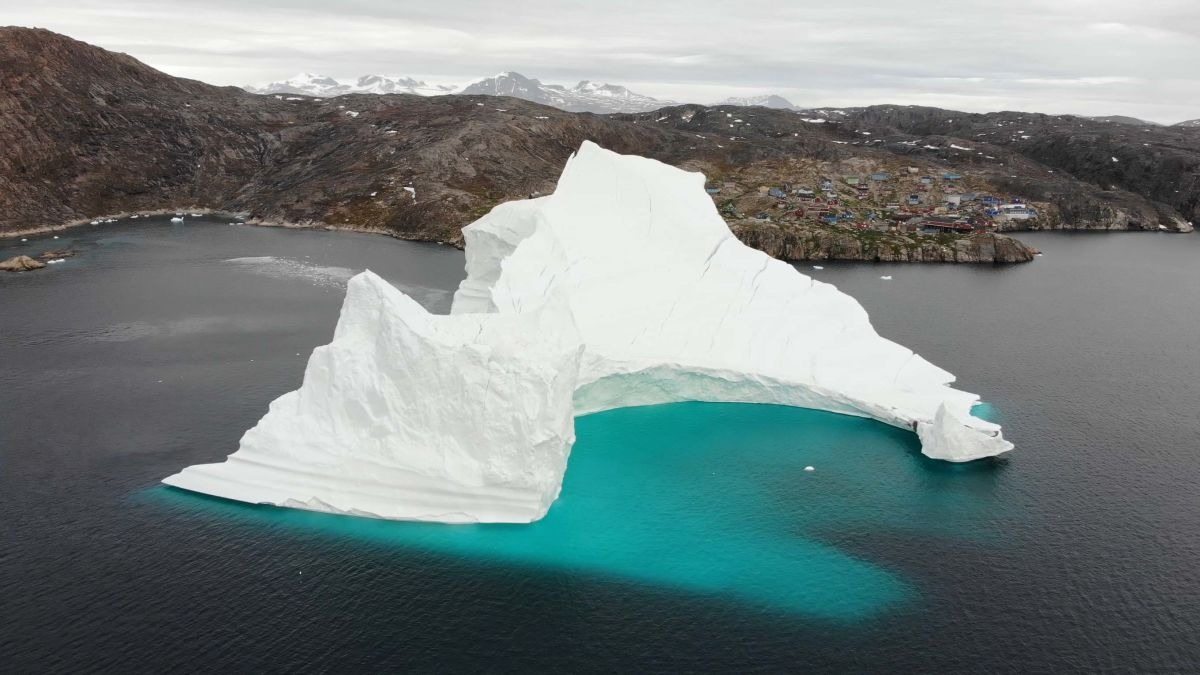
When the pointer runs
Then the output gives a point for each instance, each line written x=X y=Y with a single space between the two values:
x=946 y=224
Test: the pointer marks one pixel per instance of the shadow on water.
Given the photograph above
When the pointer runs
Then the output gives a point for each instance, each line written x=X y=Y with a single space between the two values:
x=712 y=500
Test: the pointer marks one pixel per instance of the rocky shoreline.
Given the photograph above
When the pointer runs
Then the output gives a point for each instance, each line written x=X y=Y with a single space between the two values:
x=801 y=242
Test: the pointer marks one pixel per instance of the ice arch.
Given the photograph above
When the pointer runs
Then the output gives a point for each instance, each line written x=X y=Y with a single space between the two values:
x=625 y=287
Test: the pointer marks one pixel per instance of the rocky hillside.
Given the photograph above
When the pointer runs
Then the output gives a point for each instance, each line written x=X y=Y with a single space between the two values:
x=1093 y=175
x=1150 y=173
x=88 y=134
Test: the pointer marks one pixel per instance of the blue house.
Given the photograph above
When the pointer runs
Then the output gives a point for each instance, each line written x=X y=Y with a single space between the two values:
x=952 y=176
x=914 y=200
x=989 y=200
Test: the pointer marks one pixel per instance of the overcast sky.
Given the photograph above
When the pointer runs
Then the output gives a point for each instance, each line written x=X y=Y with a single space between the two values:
x=1093 y=57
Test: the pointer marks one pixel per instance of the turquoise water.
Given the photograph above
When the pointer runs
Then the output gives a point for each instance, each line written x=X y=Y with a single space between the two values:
x=713 y=500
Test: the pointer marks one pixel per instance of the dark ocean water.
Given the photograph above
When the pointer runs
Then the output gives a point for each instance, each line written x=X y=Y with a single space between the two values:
x=688 y=536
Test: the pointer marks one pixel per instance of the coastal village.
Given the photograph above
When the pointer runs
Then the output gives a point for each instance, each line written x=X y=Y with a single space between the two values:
x=855 y=196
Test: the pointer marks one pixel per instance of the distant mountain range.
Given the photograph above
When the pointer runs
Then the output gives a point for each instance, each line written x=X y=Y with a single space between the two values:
x=307 y=84
x=595 y=97
x=1133 y=121
x=765 y=101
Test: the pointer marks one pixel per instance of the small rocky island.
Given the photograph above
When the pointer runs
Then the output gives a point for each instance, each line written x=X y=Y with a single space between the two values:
x=24 y=263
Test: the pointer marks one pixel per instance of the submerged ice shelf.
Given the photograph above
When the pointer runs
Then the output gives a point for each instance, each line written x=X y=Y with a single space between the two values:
x=623 y=288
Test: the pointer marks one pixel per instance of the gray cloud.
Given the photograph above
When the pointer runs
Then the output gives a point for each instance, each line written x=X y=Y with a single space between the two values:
x=1078 y=56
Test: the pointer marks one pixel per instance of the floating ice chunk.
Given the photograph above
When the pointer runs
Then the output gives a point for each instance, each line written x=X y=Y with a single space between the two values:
x=886 y=277
x=817 y=267
x=177 y=219
x=809 y=468
x=954 y=438
x=55 y=261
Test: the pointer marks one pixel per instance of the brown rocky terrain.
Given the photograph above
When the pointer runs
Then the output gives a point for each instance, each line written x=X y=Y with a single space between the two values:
x=1091 y=174
x=89 y=134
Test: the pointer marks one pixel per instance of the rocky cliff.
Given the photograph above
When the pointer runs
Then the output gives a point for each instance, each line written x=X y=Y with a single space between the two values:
x=809 y=242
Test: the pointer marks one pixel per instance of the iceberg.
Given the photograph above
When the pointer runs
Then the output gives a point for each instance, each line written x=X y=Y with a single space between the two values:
x=624 y=287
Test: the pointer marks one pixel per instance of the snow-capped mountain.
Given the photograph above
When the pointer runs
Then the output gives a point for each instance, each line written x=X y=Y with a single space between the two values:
x=307 y=84
x=765 y=101
x=586 y=96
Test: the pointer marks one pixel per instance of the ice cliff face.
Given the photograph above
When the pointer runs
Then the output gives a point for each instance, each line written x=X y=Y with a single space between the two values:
x=672 y=307
x=411 y=416
x=625 y=287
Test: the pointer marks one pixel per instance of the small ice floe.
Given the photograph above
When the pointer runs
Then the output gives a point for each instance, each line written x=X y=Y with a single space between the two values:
x=810 y=468
x=95 y=222
x=135 y=217
x=24 y=239
x=886 y=277
x=818 y=267
x=56 y=236
x=1115 y=159
x=197 y=215
x=55 y=261
x=177 y=219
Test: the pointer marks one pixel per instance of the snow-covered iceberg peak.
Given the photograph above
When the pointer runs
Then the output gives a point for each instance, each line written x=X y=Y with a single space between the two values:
x=625 y=287
x=672 y=307
x=412 y=416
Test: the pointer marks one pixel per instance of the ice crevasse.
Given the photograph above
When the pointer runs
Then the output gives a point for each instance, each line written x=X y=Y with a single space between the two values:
x=625 y=287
